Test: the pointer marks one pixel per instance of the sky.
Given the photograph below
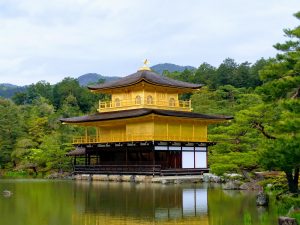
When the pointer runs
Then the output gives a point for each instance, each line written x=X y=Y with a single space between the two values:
x=52 y=39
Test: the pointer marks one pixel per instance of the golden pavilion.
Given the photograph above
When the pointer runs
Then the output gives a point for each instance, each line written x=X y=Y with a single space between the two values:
x=144 y=129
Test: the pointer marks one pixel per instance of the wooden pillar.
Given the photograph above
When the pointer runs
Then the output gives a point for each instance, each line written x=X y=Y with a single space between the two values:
x=126 y=155
x=97 y=134
x=153 y=159
x=143 y=98
x=181 y=156
x=180 y=134
x=167 y=131
x=86 y=134
x=193 y=132
x=169 y=158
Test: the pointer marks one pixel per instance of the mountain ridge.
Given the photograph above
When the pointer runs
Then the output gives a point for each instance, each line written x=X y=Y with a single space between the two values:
x=7 y=90
x=161 y=67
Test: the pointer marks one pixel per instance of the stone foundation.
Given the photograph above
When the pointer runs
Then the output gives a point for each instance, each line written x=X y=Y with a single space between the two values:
x=141 y=178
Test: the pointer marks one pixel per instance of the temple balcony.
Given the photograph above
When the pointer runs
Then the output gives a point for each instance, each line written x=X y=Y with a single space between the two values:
x=172 y=104
x=136 y=138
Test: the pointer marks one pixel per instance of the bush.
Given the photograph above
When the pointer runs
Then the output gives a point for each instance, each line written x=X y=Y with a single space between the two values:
x=16 y=174
x=220 y=169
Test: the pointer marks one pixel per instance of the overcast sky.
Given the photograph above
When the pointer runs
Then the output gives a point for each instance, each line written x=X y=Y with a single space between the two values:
x=51 y=39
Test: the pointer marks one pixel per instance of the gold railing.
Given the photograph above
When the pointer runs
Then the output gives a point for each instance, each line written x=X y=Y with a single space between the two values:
x=132 y=138
x=132 y=104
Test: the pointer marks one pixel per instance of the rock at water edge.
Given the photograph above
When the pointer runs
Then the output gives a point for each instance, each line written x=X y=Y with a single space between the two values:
x=287 y=221
x=262 y=199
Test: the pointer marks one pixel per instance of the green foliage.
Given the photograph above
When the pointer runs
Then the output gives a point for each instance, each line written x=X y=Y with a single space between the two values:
x=10 y=129
x=8 y=90
x=16 y=174
x=228 y=73
x=289 y=206
x=277 y=184
x=225 y=167
x=265 y=129
x=281 y=88
x=237 y=141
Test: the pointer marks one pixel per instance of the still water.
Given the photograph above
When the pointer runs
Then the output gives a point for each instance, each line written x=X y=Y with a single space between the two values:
x=44 y=202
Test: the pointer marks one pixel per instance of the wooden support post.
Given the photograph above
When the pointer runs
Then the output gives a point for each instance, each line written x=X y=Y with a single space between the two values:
x=97 y=134
x=193 y=132
x=126 y=156
x=153 y=160
x=86 y=134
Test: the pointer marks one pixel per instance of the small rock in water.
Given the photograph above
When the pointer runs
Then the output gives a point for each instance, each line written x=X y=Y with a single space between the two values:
x=178 y=181
x=7 y=193
x=262 y=199
x=232 y=185
x=287 y=221
x=165 y=181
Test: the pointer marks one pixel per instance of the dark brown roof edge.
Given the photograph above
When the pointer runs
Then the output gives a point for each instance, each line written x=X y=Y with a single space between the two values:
x=141 y=112
x=94 y=88
x=147 y=76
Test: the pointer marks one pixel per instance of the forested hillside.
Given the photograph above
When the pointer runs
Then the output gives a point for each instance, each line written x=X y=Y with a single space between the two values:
x=263 y=97
x=8 y=90
x=92 y=78
x=160 y=68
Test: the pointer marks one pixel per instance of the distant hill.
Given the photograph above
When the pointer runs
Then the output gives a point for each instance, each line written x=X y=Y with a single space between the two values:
x=160 y=68
x=91 y=78
x=8 y=90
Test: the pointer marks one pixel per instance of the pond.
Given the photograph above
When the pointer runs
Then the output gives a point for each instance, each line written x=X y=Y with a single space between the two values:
x=39 y=202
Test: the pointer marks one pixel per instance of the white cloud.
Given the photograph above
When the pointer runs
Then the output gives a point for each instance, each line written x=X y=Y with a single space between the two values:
x=47 y=40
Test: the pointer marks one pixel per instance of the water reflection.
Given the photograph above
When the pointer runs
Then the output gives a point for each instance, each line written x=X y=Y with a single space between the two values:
x=150 y=202
x=42 y=202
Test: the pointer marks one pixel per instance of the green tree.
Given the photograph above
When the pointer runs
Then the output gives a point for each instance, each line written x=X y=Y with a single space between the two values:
x=205 y=74
x=225 y=73
x=238 y=143
x=10 y=129
x=281 y=90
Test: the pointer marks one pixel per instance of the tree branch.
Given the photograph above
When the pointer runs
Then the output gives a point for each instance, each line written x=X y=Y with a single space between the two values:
x=261 y=128
x=296 y=94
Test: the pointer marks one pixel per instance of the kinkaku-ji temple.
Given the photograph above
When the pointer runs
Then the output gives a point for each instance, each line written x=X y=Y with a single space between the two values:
x=144 y=129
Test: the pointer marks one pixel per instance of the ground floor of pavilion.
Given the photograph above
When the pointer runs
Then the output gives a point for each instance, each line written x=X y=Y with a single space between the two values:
x=135 y=158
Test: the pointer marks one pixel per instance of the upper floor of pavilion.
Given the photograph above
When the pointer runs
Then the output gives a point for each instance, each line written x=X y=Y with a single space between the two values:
x=144 y=89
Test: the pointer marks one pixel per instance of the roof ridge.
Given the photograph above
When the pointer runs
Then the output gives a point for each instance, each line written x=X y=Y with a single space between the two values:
x=148 y=76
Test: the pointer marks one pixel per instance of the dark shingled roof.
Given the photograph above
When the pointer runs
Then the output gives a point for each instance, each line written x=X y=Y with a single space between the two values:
x=147 y=76
x=141 y=112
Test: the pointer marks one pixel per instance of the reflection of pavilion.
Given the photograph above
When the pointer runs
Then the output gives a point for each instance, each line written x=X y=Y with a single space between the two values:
x=143 y=202
x=194 y=203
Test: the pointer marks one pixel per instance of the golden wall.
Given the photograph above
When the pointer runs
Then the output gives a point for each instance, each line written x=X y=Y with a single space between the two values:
x=154 y=127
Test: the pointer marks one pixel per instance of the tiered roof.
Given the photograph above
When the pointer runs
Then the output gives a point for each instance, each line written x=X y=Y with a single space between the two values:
x=147 y=76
